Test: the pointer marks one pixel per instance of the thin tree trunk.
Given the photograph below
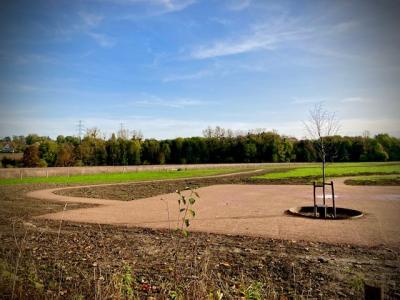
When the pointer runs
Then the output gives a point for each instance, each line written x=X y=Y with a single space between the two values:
x=323 y=177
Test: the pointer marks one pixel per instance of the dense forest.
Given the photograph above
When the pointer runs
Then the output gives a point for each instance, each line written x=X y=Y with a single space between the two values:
x=217 y=146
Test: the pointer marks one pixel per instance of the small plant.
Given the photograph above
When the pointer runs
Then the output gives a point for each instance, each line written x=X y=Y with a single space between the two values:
x=186 y=212
x=127 y=282
x=218 y=295
x=253 y=291
x=176 y=295
x=186 y=200
x=123 y=283
x=357 y=282
x=36 y=282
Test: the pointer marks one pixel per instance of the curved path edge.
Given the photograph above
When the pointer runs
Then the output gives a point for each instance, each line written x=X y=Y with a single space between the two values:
x=254 y=210
x=49 y=194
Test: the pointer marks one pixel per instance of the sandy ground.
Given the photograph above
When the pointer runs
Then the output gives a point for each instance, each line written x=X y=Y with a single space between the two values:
x=254 y=210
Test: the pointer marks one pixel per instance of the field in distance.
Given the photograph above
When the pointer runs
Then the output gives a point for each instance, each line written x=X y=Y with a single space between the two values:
x=285 y=173
x=125 y=177
x=308 y=173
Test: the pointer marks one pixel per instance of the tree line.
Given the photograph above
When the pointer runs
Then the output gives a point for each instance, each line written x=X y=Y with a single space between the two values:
x=216 y=146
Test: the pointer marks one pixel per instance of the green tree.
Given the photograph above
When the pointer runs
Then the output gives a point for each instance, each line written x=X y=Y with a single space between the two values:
x=65 y=155
x=151 y=151
x=113 y=151
x=31 y=157
x=134 y=149
x=48 y=151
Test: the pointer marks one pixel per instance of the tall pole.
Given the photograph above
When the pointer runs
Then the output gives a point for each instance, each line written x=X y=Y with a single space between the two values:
x=323 y=177
x=323 y=169
x=80 y=129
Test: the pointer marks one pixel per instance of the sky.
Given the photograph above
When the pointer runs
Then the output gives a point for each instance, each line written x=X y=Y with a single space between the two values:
x=170 y=68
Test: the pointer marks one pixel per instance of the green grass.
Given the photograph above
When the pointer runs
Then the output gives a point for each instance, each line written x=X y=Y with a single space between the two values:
x=333 y=170
x=124 y=177
x=374 y=180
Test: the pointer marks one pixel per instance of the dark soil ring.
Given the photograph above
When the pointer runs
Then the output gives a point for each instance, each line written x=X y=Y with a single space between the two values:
x=341 y=213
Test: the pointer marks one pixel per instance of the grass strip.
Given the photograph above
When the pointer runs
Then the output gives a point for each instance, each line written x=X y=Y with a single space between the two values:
x=374 y=180
x=334 y=170
x=124 y=177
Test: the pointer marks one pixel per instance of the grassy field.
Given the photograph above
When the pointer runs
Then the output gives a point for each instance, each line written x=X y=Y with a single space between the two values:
x=374 y=180
x=333 y=170
x=124 y=177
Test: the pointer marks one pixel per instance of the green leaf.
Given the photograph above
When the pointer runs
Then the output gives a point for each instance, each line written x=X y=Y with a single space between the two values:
x=192 y=200
x=192 y=212
x=185 y=233
x=184 y=200
x=197 y=195
x=187 y=223
x=181 y=210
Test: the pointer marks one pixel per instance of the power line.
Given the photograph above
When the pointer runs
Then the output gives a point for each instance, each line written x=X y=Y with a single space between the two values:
x=80 y=128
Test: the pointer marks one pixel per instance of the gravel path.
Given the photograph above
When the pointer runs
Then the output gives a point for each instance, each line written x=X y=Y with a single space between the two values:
x=254 y=210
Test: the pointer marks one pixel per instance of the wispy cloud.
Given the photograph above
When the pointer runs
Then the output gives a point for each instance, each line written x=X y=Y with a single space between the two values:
x=238 y=4
x=180 y=77
x=90 y=20
x=153 y=8
x=88 y=25
x=154 y=101
x=175 y=5
x=299 y=100
x=150 y=100
x=279 y=32
x=262 y=37
x=29 y=58
x=102 y=39
x=354 y=100
x=221 y=21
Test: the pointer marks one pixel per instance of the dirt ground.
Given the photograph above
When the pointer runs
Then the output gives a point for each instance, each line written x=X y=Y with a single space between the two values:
x=257 y=210
x=69 y=260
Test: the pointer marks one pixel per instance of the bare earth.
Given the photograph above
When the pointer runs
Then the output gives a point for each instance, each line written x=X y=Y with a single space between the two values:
x=253 y=210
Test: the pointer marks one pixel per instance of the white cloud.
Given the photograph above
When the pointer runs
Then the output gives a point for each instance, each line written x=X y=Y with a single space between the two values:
x=91 y=20
x=154 y=101
x=102 y=39
x=174 y=5
x=239 y=4
x=355 y=100
x=153 y=7
x=278 y=32
x=299 y=100
x=262 y=37
x=196 y=75
x=221 y=21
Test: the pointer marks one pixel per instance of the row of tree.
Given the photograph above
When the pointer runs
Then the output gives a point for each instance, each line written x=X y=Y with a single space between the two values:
x=215 y=147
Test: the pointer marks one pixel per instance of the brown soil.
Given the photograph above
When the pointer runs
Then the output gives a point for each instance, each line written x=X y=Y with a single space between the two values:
x=54 y=259
x=381 y=182
x=89 y=261
x=132 y=191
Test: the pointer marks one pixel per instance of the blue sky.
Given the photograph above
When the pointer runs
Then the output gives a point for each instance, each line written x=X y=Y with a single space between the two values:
x=172 y=67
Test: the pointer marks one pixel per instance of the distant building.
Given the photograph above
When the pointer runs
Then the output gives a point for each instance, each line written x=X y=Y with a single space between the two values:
x=7 y=148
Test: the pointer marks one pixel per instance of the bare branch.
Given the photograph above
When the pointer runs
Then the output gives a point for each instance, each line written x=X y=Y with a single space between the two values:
x=321 y=124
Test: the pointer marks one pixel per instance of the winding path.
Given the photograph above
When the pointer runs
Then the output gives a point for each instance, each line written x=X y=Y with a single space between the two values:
x=256 y=210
